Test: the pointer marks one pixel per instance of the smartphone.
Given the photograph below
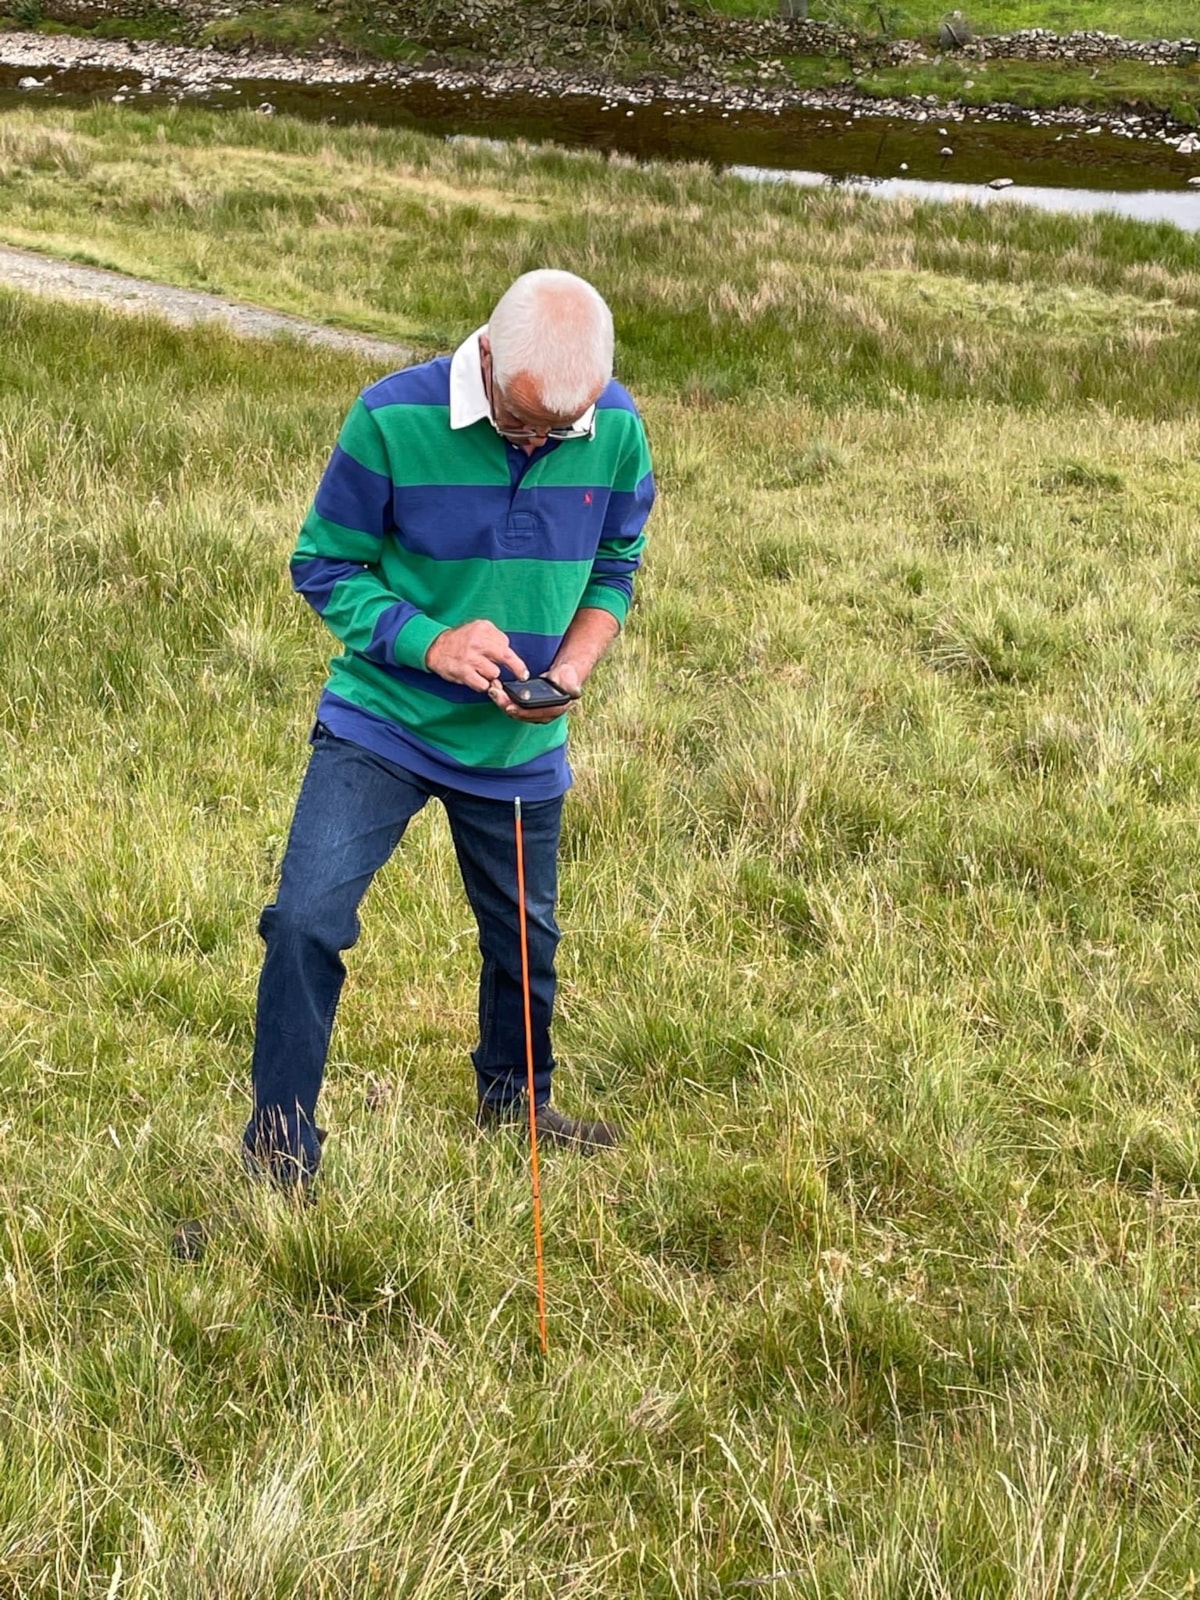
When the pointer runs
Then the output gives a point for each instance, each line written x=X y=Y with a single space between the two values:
x=536 y=694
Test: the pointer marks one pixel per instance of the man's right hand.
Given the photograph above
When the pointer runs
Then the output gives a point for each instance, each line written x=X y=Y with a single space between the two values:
x=472 y=654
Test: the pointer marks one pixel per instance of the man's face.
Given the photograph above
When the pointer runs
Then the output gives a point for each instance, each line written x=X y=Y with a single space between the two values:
x=518 y=411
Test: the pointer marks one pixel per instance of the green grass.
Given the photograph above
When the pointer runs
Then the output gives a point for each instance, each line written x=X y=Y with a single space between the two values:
x=1038 y=86
x=279 y=28
x=291 y=28
x=1131 y=19
x=879 y=889
x=149 y=24
x=1035 y=85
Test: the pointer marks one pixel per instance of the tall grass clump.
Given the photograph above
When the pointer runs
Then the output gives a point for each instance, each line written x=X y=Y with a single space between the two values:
x=879 y=892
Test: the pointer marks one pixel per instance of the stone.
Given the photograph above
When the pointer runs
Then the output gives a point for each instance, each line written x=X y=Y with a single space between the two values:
x=380 y=1093
x=29 y=83
x=1001 y=183
x=954 y=32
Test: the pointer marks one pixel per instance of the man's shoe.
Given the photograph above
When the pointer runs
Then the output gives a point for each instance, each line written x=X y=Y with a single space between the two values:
x=555 y=1129
x=292 y=1170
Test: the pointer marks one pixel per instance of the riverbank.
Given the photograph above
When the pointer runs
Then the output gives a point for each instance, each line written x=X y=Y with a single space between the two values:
x=666 y=49
x=43 y=65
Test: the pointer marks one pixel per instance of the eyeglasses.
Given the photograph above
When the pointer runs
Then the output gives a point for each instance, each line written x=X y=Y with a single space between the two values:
x=523 y=434
x=572 y=430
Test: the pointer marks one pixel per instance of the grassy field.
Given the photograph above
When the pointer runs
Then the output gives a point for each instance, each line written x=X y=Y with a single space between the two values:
x=880 y=894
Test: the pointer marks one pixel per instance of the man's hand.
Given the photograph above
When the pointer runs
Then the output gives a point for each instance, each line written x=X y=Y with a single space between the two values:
x=472 y=654
x=565 y=676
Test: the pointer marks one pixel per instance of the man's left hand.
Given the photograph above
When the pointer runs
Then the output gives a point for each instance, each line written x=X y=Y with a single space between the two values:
x=564 y=675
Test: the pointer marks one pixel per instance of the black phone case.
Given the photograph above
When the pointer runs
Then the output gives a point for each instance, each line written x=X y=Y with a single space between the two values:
x=536 y=694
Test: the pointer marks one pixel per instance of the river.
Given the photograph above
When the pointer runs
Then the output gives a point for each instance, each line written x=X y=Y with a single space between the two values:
x=929 y=152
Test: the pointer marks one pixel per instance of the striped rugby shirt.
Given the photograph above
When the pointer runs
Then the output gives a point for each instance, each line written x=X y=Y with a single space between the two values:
x=426 y=518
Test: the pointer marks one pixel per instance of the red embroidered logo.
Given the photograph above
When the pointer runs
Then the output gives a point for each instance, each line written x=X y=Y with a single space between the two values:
x=587 y=497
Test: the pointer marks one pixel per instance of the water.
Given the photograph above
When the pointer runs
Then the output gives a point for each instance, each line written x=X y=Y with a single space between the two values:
x=1056 y=168
x=1148 y=205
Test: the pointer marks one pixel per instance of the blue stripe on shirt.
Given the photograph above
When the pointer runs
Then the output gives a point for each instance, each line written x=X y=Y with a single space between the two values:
x=426 y=385
x=480 y=522
x=543 y=778
x=382 y=648
x=353 y=496
x=317 y=577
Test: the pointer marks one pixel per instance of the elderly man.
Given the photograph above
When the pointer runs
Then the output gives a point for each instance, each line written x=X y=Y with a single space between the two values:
x=478 y=525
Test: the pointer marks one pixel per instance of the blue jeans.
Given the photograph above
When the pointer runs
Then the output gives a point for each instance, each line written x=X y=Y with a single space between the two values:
x=351 y=814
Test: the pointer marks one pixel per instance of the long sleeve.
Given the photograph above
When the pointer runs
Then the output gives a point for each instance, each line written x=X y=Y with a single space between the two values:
x=336 y=562
x=619 y=553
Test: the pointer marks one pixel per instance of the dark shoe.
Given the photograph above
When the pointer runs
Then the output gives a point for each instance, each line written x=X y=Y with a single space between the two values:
x=555 y=1129
x=289 y=1163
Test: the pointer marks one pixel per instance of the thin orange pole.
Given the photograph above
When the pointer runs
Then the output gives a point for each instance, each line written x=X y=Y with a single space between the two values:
x=533 y=1140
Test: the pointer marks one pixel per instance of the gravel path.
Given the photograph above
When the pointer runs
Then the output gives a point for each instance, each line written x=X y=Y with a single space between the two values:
x=65 y=280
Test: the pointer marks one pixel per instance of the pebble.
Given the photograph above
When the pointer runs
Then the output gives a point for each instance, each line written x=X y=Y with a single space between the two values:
x=1001 y=183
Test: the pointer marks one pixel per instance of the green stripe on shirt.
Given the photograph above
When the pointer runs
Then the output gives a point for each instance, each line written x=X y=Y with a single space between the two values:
x=480 y=735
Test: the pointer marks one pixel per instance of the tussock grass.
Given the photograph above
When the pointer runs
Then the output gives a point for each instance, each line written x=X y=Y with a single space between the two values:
x=879 y=887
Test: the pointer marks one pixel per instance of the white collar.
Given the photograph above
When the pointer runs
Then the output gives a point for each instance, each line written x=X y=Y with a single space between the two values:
x=468 y=398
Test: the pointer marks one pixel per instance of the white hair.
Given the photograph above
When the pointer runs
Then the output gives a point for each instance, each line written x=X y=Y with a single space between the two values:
x=556 y=329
